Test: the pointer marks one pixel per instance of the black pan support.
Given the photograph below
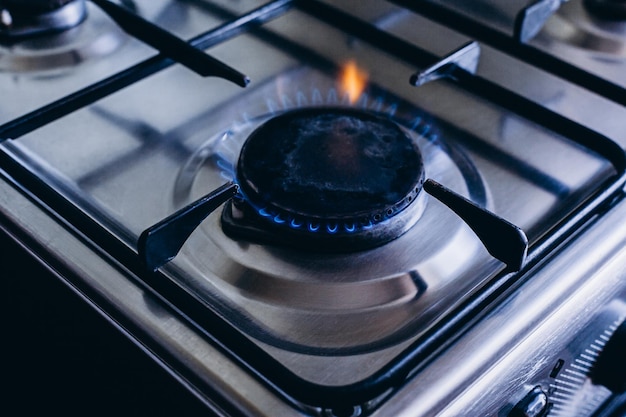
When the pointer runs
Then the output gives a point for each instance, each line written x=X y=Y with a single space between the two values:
x=40 y=117
x=466 y=57
x=502 y=239
x=506 y=242
x=516 y=46
x=170 y=45
x=531 y=19
x=210 y=323
x=161 y=243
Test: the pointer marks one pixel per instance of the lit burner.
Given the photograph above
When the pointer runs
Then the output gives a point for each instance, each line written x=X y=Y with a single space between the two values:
x=25 y=18
x=341 y=178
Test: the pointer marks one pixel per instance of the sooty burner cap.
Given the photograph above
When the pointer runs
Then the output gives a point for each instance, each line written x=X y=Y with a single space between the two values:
x=33 y=7
x=333 y=174
x=21 y=19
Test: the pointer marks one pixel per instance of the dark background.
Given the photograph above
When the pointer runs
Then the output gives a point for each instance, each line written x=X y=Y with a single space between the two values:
x=62 y=358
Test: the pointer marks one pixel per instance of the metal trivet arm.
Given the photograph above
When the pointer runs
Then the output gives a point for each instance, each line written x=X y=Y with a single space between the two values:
x=465 y=58
x=160 y=243
x=515 y=45
x=37 y=118
x=531 y=19
x=170 y=45
x=502 y=239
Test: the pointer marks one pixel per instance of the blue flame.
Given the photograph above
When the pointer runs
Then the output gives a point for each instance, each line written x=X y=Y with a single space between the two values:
x=263 y=212
x=272 y=107
x=316 y=96
x=287 y=102
x=416 y=123
x=302 y=99
x=332 y=96
x=314 y=226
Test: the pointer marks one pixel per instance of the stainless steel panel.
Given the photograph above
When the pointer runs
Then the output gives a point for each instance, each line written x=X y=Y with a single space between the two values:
x=518 y=18
x=564 y=307
x=136 y=156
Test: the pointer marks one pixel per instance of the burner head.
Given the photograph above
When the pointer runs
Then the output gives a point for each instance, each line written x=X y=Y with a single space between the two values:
x=34 y=7
x=337 y=175
x=27 y=18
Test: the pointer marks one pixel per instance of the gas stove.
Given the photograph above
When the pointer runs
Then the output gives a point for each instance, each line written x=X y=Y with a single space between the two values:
x=333 y=208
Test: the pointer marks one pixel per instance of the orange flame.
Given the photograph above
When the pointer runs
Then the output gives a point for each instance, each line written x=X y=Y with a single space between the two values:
x=352 y=81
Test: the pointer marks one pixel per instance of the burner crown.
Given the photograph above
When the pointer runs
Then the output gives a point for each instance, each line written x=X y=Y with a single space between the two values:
x=26 y=18
x=324 y=173
x=33 y=7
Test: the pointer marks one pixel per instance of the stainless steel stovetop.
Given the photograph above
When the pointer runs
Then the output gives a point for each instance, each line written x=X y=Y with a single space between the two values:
x=499 y=300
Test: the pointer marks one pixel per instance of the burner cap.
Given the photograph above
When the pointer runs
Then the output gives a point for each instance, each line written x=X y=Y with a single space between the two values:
x=332 y=173
x=33 y=7
x=27 y=18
